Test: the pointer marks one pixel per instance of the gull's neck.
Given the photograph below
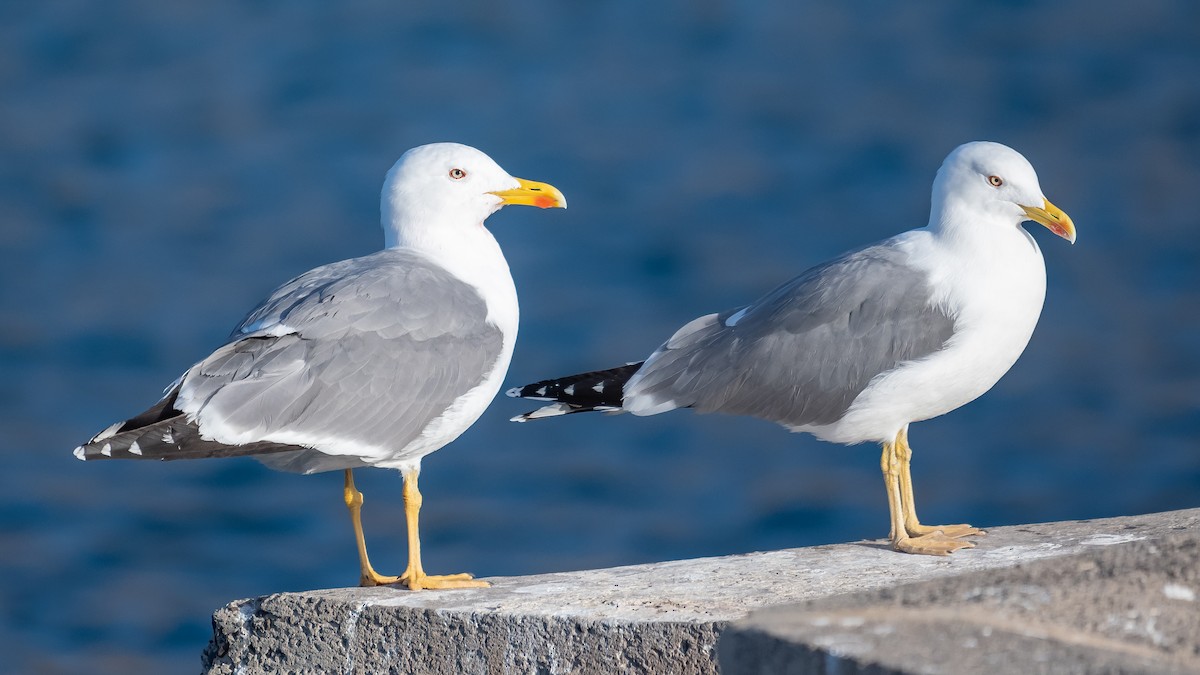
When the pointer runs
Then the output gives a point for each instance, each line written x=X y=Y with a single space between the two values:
x=459 y=243
x=980 y=254
x=982 y=234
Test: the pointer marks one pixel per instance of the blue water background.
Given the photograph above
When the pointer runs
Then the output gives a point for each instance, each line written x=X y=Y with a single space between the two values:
x=164 y=165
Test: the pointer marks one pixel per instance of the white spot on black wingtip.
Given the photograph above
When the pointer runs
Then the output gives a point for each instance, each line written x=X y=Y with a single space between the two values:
x=548 y=411
x=569 y=391
x=79 y=454
x=135 y=449
x=599 y=388
x=107 y=433
x=517 y=392
x=106 y=450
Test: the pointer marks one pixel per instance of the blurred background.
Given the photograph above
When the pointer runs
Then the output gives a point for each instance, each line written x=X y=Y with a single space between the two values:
x=163 y=166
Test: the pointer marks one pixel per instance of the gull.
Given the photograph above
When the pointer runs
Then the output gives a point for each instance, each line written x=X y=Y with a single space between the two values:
x=856 y=349
x=372 y=361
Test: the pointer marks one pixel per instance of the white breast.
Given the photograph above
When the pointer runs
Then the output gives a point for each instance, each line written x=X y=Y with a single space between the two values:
x=994 y=289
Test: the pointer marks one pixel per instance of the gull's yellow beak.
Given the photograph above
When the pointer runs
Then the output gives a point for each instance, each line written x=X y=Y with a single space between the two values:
x=1054 y=219
x=532 y=193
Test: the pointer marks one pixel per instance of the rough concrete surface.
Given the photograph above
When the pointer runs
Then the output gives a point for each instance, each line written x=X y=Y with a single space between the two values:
x=667 y=617
x=1131 y=606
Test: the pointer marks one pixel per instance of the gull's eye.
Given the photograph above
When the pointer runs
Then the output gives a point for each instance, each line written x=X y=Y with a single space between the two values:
x=996 y=181
x=457 y=174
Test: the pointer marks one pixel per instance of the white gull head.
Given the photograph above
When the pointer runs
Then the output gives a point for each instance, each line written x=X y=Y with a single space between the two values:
x=449 y=186
x=985 y=184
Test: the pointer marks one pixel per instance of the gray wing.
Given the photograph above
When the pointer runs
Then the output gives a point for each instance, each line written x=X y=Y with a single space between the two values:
x=365 y=352
x=802 y=353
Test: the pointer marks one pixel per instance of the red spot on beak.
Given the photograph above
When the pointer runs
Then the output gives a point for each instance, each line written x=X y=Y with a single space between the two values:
x=543 y=201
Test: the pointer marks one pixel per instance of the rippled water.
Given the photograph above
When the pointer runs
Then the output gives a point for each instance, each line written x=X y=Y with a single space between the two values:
x=165 y=167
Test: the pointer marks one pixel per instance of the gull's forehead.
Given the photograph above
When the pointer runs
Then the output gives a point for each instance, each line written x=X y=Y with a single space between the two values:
x=440 y=154
x=985 y=157
x=425 y=164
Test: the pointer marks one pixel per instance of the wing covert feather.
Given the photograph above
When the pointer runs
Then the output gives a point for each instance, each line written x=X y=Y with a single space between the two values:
x=370 y=350
x=803 y=352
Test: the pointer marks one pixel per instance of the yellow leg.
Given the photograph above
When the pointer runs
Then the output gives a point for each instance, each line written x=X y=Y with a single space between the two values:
x=911 y=524
x=932 y=543
x=414 y=577
x=354 y=501
x=891 y=482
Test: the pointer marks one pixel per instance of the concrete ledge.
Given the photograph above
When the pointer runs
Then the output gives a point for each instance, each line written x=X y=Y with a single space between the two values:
x=657 y=618
x=1129 y=607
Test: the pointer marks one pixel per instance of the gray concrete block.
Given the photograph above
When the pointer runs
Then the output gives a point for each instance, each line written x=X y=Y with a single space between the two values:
x=656 y=618
x=1131 y=606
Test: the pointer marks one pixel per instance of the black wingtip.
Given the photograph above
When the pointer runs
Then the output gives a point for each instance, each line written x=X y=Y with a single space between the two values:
x=597 y=389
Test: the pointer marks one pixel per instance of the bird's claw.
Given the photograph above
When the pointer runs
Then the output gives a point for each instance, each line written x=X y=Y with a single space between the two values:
x=370 y=579
x=951 y=531
x=934 y=543
x=417 y=582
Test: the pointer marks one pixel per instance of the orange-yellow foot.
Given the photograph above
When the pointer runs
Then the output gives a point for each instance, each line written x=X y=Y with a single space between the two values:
x=422 y=581
x=934 y=543
x=369 y=579
x=952 y=531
